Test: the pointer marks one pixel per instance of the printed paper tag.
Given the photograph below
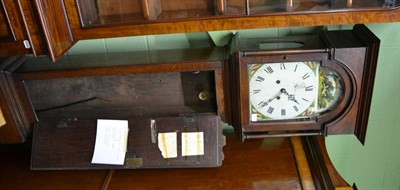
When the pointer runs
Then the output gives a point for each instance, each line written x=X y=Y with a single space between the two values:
x=192 y=144
x=167 y=143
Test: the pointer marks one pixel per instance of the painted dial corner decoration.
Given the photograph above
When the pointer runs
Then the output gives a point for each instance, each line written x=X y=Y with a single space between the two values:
x=291 y=90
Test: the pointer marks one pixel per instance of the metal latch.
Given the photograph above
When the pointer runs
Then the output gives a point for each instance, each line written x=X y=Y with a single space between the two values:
x=27 y=44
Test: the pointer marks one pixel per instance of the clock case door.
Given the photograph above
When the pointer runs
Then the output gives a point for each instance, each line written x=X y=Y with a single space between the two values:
x=352 y=54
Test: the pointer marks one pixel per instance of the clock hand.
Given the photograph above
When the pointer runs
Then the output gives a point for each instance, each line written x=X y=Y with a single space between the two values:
x=276 y=95
x=291 y=97
x=265 y=103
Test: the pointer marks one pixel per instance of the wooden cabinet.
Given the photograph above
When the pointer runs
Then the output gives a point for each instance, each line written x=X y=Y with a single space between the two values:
x=102 y=13
x=13 y=37
x=19 y=32
x=52 y=27
x=55 y=27
x=91 y=20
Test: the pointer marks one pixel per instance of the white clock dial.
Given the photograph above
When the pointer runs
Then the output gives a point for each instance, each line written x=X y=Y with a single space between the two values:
x=282 y=90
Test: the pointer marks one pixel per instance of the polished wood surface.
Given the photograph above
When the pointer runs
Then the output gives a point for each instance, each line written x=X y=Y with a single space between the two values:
x=173 y=60
x=77 y=139
x=13 y=104
x=148 y=66
x=33 y=29
x=335 y=177
x=222 y=22
x=4 y=32
x=123 y=96
x=352 y=54
x=56 y=29
x=15 y=173
x=54 y=26
x=259 y=164
x=302 y=164
x=323 y=172
x=13 y=32
x=271 y=163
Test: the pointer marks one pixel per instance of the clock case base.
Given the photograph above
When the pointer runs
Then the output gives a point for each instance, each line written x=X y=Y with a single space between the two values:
x=351 y=53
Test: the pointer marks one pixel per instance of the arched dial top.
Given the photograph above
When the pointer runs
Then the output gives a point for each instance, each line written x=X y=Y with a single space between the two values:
x=291 y=90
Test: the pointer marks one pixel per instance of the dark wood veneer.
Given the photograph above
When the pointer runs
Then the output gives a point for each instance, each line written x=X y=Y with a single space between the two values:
x=13 y=32
x=55 y=25
x=16 y=109
x=352 y=54
x=325 y=176
x=273 y=165
x=77 y=138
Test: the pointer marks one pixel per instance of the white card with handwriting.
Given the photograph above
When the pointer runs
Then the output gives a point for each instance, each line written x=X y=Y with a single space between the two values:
x=111 y=142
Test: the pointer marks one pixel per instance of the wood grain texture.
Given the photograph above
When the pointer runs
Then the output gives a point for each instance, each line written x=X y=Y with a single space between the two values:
x=351 y=54
x=307 y=182
x=17 y=117
x=9 y=48
x=371 y=59
x=226 y=22
x=337 y=180
x=123 y=96
x=32 y=27
x=14 y=33
x=258 y=164
x=113 y=78
x=78 y=135
x=55 y=26
x=4 y=30
x=13 y=18
x=359 y=54
x=324 y=174
x=16 y=174
x=271 y=166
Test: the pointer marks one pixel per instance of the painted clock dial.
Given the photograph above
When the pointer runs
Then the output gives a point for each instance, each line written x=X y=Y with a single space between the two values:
x=279 y=91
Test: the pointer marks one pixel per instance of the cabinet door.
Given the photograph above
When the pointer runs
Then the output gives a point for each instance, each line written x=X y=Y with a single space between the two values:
x=57 y=32
x=13 y=38
x=95 y=13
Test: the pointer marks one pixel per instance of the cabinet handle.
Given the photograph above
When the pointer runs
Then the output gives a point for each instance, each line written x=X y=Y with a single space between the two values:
x=27 y=44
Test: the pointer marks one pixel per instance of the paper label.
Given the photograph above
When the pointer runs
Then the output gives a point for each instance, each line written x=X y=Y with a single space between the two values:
x=192 y=144
x=254 y=117
x=111 y=142
x=167 y=143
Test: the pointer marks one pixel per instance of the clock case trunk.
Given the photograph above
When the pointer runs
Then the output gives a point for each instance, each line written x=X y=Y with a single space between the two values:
x=350 y=53
x=179 y=90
